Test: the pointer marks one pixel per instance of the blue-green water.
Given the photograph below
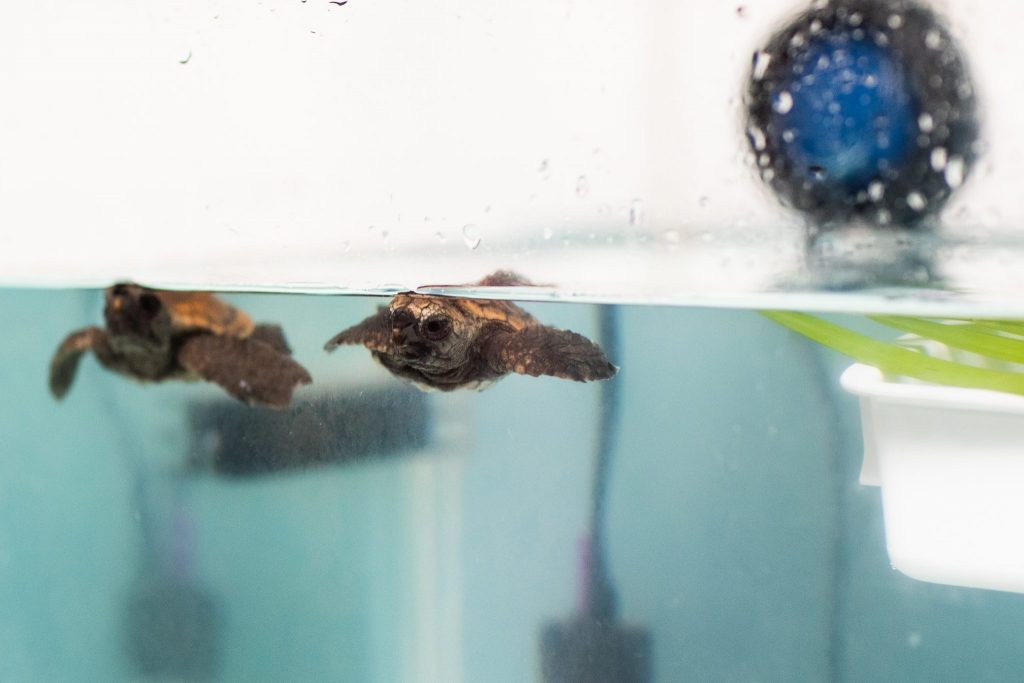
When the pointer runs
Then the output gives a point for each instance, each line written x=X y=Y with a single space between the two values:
x=737 y=535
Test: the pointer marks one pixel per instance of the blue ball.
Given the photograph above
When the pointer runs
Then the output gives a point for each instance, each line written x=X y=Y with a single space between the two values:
x=856 y=107
x=846 y=114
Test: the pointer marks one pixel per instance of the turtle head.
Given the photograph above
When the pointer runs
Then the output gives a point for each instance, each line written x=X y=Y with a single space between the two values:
x=431 y=334
x=131 y=310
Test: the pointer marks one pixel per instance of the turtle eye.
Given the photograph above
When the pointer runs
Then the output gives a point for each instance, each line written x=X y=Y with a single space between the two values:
x=437 y=328
x=149 y=304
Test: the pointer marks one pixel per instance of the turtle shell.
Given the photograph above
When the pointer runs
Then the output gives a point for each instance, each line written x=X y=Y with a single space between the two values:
x=204 y=311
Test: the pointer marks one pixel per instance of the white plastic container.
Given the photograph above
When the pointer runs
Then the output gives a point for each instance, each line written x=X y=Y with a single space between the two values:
x=950 y=463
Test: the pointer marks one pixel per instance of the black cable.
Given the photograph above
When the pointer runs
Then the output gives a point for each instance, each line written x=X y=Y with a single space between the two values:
x=602 y=602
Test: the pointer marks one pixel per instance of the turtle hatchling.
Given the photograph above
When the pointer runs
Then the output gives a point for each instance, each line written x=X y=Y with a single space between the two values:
x=153 y=335
x=448 y=343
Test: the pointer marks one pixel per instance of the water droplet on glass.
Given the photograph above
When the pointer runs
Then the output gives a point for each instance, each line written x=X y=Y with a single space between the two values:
x=894 y=21
x=939 y=158
x=876 y=190
x=789 y=135
x=955 y=170
x=855 y=19
x=582 y=186
x=932 y=40
x=548 y=233
x=384 y=234
x=440 y=237
x=761 y=62
x=925 y=122
x=636 y=213
x=703 y=201
x=370 y=228
x=543 y=168
x=783 y=102
x=470 y=237
x=346 y=246
x=916 y=201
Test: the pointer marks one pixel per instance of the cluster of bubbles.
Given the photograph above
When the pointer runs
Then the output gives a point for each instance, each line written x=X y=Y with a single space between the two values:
x=862 y=109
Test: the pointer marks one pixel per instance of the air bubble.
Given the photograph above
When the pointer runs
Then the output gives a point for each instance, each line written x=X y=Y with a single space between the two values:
x=894 y=21
x=876 y=190
x=470 y=237
x=933 y=40
x=671 y=236
x=939 y=158
x=548 y=233
x=916 y=201
x=783 y=102
x=757 y=138
x=955 y=170
x=926 y=123
x=761 y=62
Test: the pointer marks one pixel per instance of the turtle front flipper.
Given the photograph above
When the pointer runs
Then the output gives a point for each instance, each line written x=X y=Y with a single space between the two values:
x=65 y=361
x=249 y=369
x=542 y=350
x=374 y=333
x=273 y=335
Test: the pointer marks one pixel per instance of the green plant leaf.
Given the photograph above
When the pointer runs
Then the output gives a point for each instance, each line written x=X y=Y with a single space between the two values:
x=982 y=340
x=892 y=359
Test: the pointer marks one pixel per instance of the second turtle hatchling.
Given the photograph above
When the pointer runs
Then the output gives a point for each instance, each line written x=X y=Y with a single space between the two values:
x=154 y=335
x=448 y=343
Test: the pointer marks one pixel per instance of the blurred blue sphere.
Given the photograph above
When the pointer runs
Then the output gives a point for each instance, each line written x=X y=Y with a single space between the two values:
x=846 y=114
x=857 y=107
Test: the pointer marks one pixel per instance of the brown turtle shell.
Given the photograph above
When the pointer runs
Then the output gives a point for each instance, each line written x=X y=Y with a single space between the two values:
x=204 y=311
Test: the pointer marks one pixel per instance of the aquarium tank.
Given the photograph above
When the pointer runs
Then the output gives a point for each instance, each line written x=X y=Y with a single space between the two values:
x=390 y=341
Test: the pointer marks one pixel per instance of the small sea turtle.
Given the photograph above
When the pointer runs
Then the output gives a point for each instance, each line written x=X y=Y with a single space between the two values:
x=449 y=343
x=153 y=335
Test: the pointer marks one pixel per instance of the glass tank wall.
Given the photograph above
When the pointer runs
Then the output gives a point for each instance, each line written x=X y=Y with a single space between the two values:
x=737 y=535
x=660 y=171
